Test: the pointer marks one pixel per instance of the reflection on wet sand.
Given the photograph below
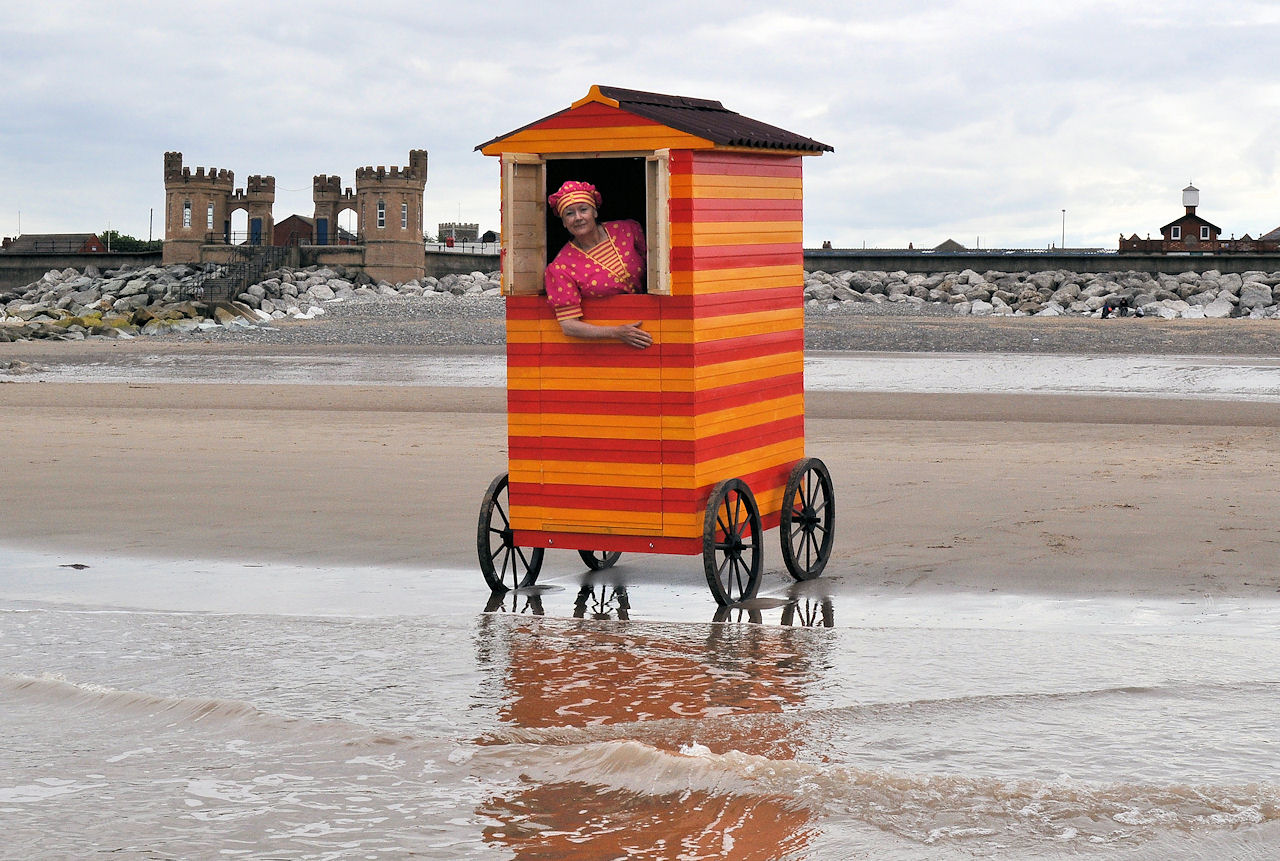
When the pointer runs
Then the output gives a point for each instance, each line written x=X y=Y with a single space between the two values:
x=602 y=602
x=719 y=690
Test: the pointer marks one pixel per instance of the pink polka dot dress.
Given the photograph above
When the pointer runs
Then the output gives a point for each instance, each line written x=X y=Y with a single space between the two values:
x=616 y=265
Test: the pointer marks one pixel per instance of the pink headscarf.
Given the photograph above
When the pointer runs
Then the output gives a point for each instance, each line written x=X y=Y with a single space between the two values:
x=574 y=192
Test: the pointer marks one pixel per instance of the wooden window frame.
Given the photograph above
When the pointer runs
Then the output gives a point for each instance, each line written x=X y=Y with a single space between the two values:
x=1175 y=232
x=525 y=213
x=1204 y=232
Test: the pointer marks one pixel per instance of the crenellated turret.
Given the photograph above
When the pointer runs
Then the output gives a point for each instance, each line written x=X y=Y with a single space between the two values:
x=199 y=203
x=389 y=208
x=387 y=202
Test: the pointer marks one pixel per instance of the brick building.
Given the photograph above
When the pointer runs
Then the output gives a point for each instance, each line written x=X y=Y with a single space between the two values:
x=386 y=202
x=54 y=243
x=1192 y=234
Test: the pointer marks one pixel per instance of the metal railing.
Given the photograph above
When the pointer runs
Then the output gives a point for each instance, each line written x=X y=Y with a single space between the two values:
x=225 y=282
x=242 y=239
x=459 y=247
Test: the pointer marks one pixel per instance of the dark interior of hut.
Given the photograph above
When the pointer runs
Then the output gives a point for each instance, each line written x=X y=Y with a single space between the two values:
x=620 y=181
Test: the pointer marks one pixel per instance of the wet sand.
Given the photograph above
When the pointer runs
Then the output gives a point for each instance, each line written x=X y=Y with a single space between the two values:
x=1063 y=495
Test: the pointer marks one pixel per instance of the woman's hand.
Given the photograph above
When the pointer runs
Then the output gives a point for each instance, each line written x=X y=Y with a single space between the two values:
x=633 y=336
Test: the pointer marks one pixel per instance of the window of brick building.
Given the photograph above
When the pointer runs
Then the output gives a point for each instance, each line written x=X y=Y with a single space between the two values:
x=1204 y=232
x=186 y=213
x=1175 y=232
x=382 y=214
x=404 y=216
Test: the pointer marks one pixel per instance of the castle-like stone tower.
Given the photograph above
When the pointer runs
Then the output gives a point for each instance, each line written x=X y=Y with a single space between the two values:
x=198 y=208
x=389 y=208
x=256 y=199
x=195 y=205
x=330 y=199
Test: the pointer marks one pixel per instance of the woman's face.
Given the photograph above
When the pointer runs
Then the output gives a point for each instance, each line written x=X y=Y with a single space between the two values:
x=580 y=220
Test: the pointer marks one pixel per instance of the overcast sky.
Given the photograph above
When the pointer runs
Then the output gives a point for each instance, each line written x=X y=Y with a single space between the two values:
x=977 y=120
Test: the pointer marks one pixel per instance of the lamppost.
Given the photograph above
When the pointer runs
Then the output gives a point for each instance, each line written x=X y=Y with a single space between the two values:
x=1064 y=229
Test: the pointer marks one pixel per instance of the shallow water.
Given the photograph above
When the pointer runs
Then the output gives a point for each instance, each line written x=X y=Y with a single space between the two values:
x=1151 y=376
x=199 y=709
x=358 y=713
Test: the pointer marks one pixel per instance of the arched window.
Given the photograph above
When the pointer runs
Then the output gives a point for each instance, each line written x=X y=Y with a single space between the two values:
x=382 y=214
x=186 y=213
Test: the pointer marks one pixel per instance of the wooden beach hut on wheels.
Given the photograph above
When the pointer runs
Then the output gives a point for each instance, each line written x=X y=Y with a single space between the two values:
x=695 y=445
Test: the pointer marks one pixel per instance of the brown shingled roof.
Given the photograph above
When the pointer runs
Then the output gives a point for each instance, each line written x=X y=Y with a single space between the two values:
x=711 y=120
x=704 y=118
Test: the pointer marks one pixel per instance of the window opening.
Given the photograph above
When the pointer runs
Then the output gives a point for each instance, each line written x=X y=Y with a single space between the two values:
x=1175 y=232
x=404 y=216
x=382 y=214
x=1204 y=232
x=210 y=216
x=186 y=213
x=631 y=187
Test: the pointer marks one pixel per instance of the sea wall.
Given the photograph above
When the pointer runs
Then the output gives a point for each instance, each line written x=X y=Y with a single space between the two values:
x=1019 y=260
x=19 y=269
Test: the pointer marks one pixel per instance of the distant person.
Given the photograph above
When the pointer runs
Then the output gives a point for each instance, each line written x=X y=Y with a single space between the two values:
x=1118 y=306
x=599 y=260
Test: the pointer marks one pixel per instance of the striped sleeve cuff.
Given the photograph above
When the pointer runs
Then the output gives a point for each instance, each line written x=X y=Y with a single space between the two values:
x=569 y=312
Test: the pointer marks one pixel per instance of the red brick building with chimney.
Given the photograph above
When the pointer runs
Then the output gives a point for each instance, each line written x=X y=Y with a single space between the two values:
x=1191 y=234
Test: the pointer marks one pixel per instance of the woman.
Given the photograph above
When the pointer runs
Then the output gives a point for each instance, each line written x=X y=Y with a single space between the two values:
x=600 y=260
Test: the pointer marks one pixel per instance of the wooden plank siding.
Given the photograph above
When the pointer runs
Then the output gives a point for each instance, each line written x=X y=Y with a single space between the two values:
x=612 y=448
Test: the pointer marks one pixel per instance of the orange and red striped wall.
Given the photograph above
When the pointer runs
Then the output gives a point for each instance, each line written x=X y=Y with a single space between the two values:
x=613 y=448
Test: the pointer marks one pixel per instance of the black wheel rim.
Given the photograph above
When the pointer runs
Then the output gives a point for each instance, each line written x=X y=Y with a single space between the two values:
x=504 y=565
x=598 y=560
x=808 y=518
x=731 y=543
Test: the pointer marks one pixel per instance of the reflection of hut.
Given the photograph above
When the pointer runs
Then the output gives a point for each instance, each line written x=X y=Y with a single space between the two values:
x=576 y=681
x=728 y=691
x=576 y=821
x=617 y=449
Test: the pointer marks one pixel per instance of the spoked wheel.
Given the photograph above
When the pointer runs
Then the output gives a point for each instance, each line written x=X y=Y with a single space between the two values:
x=807 y=527
x=598 y=560
x=732 y=551
x=504 y=565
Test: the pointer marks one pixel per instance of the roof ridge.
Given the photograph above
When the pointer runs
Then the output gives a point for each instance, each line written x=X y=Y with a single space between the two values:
x=644 y=97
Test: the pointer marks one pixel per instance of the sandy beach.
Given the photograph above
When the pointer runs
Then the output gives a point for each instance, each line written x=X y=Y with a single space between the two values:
x=1091 y=495
x=242 y=611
